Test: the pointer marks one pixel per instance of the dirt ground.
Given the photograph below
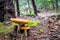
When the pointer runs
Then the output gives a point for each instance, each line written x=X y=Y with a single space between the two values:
x=48 y=34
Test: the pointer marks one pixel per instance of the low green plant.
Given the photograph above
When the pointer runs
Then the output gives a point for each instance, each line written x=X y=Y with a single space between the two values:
x=33 y=23
x=28 y=14
x=4 y=30
x=40 y=31
x=33 y=14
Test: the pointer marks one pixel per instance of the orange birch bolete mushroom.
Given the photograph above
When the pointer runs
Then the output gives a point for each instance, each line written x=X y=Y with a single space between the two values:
x=21 y=21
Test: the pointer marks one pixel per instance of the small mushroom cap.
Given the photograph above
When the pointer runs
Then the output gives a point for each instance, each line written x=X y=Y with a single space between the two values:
x=25 y=28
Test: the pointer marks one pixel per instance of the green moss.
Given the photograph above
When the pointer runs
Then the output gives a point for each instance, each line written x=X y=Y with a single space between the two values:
x=4 y=30
x=33 y=23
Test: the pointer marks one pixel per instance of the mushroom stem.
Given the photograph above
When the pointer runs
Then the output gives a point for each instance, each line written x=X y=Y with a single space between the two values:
x=25 y=31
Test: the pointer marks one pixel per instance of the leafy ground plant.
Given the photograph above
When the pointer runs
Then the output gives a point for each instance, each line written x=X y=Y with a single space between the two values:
x=4 y=30
x=33 y=23
x=28 y=14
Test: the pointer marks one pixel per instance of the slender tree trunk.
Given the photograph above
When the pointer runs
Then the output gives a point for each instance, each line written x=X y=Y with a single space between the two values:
x=34 y=6
x=29 y=7
x=57 y=7
x=17 y=5
x=53 y=5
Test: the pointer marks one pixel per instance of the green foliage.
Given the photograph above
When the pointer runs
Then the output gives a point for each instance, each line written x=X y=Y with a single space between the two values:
x=40 y=31
x=4 y=30
x=50 y=7
x=48 y=0
x=41 y=4
x=33 y=23
x=28 y=14
x=48 y=4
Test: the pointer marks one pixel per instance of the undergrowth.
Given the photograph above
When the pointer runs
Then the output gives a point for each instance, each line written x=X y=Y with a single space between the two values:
x=28 y=14
x=33 y=23
x=4 y=30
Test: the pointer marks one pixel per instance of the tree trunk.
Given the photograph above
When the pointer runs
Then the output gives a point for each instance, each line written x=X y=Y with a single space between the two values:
x=29 y=7
x=34 y=6
x=2 y=11
x=17 y=5
x=53 y=5
x=6 y=7
x=10 y=7
x=57 y=7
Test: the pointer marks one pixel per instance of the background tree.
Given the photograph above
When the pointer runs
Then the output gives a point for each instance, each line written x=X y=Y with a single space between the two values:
x=17 y=6
x=9 y=7
x=2 y=10
x=57 y=6
x=6 y=7
x=34 y=6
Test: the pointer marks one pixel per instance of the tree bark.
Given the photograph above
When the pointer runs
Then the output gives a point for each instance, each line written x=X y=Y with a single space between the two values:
x=9 y=7
x=2 y=11
x=17 y=5
x=34 y=6
x=6 y=7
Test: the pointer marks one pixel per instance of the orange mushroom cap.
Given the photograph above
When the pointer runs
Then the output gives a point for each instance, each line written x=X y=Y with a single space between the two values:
x=19 y=20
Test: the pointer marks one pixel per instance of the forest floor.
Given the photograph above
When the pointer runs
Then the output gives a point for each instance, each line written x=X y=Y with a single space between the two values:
x=48 y=34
